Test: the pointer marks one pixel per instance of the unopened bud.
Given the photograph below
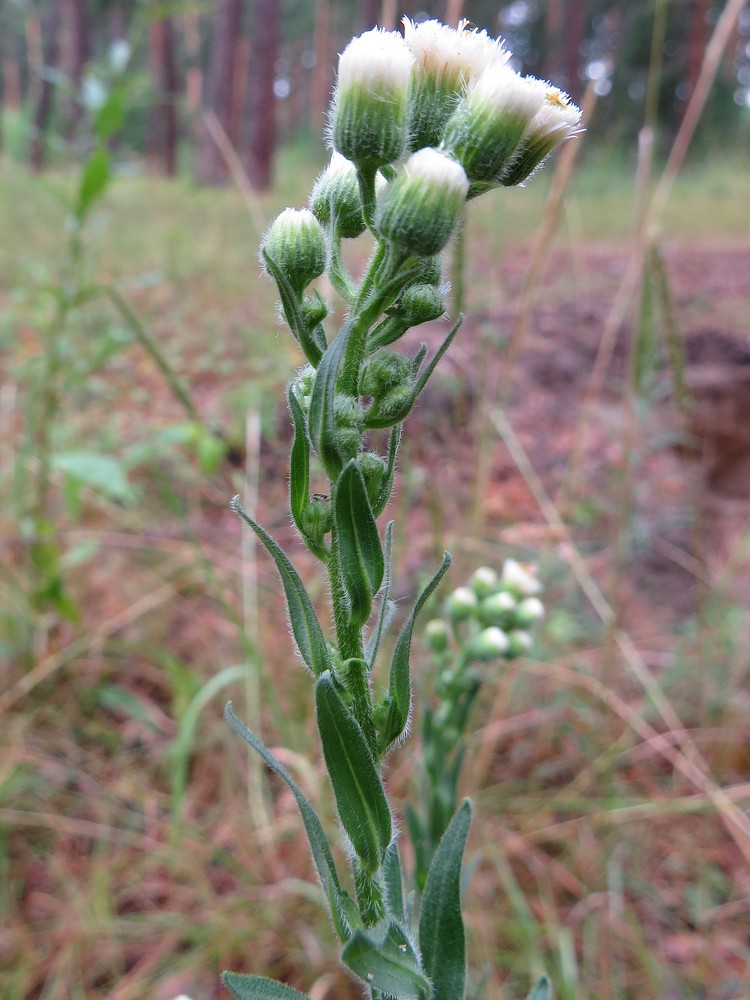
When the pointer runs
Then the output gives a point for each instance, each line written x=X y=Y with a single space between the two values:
x=420 y=304
x=317 y=519
x=437 y=634
x=372 y=468
x=461 y=604
x=348 y=416
x=497 y=609
x=519 y=579
x=296 y=245
x=557 y=120
x=528 y=611
x=303 y=385
x=519 y=643
x=483 y=581
x=418 y=211
x=383 y=371
x=369 y=115
x=335 y=197
x=489 y=644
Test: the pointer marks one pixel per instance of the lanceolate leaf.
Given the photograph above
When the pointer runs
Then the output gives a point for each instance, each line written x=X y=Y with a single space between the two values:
x=394 y=715
x=360 y=553
x=305 y=626
x=360 y=798
x=340 y=904
x=386 y=486
x=321 y=419
x=259 y=988
x=387 y=607
x=390 y=966
x=299 y=474
x=292 y=312
x=441 y=928
x=394 y=889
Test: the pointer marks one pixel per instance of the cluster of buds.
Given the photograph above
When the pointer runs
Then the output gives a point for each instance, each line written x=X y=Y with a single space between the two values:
x=491 y=616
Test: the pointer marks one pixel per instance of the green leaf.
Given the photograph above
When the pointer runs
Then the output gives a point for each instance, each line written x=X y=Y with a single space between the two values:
x=321 y=419
x=294 y=317
x=387 y=606
x=305 y=626
x=360 y=552
x=542 y=990
x=390 y=966
x=299 y=463
x=110 y=117
x=342 y=910
x=393 y=881
x=99 y=472
x=393 y=714
x=259 y=988
x=360 y=798
x=441 y=927
x=94 y=180
x=386 y=485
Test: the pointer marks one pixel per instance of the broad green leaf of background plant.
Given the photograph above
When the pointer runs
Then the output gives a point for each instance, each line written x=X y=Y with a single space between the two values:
x=259 y=988
x=94 y=181
x=360 y=798
x=393 y=713
x=98 y=472
x=360 y=552
x=441 y=926
x=305 y=625
x=389 y=965
x=343 y=912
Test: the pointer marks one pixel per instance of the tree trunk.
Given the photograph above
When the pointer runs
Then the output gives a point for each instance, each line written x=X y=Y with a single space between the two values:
x=210 y=165
x=79 y=40
x=322 y=75
x=697 y=40
x=370 y=14
x=162 y=129
x=575 y=31
x=45 y=98
x=453 y=12
x=261 y=107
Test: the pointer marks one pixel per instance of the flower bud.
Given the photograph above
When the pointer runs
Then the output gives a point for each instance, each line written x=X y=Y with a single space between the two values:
x=348 y=415
x=486 y=129
x=489 y=644
x=418 y=210
x=335 y=197
x=372 y=468
x=369 y=114
x=519 y=579
x=302 y=386
x=497 y=609
x=314 y=310
x=483 y=581
x=557 y=120
x=519 y=643
x=437 y=634
x=296 y=244
x=461 y=604
x=445 y=61
x=529 y=610
x=383 y=371
x=420 y=303
x=317 y=519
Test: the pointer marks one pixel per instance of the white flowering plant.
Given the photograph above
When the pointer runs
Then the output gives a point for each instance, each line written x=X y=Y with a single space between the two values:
x=420 y=124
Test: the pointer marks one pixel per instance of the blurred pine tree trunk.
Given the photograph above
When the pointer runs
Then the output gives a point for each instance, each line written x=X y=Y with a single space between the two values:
x=260 y=131
x=370 y=14
x=50 y=54
x=322 y=75
x=210 y=167
x=79 y=53
x=162 y=119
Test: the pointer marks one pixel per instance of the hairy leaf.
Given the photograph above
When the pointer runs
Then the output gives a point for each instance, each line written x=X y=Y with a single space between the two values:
x=542 y=989
x=441 y=927
x=390 y=965
x=360 y=552
x=321 y=419
x=259 y=988
x=360 y=798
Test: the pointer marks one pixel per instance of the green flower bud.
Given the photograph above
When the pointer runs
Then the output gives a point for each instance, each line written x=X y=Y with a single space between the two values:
x=483 y=581
x=314 y=310
x=420 y=304
x=296 y=244
x=497 y=609
x=369 y=114
x=383 y=371
x=348 y=417
x=446 y=60
x=519 y=580
x=372 y=468
x=302 y=386
x=437 y=634
x=462 y=604
x=418 y=211
x=489 y=644
x=529 y=610
x=317 y=519
x=485 y=131
x=335 y=196
x=519 y=643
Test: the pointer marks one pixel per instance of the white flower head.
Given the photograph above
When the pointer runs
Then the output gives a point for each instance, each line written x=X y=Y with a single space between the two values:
x=295 y=244
x=501 y=89
x=556 y=120
x=519 y=579
x=418 y=211
x=369 y=112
